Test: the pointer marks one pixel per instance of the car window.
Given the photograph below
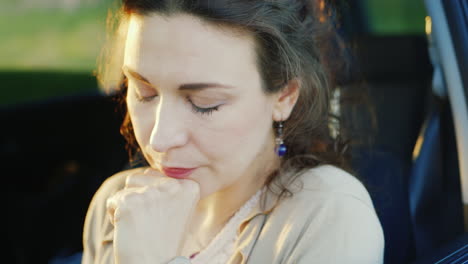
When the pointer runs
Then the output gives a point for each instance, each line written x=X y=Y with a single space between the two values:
x=395 y=16
x=49 y=47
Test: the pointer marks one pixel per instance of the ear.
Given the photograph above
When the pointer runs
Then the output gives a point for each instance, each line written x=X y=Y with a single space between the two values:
x=285 y=100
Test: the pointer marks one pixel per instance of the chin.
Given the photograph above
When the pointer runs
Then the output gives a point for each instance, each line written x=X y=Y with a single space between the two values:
x=206 y=191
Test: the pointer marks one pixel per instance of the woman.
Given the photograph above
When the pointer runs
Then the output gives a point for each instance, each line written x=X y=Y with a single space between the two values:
x=228 y=104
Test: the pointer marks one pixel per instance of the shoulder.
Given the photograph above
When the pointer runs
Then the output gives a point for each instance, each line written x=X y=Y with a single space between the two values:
x=325 y=185
x=331 y=181
x=333 y=207
x=329 y=192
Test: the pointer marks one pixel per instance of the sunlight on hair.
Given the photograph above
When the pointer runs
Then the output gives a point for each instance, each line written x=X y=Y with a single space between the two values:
x=112 y=54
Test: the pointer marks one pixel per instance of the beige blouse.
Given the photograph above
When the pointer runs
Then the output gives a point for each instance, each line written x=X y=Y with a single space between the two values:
x=329 y=219
x=221 y=247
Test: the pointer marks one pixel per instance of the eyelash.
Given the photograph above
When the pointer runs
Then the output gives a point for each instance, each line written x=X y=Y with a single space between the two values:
x=202 y=111
x=195 y=108
x=145 y=99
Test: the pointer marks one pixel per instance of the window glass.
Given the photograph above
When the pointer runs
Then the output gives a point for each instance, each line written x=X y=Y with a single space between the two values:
x=53 y=44
x=389 y=17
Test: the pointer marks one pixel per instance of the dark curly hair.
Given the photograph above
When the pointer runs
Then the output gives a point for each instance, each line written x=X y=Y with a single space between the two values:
x=293 y=39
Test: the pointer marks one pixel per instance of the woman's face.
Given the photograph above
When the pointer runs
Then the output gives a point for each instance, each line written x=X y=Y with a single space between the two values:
x=195 y=101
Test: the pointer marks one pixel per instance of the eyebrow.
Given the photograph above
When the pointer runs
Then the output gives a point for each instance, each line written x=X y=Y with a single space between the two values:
x=187 y=86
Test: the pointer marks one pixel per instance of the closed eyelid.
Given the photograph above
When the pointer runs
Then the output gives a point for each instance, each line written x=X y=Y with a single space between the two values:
x=142 y=85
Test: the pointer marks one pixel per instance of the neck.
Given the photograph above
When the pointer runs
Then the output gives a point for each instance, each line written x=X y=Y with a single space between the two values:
x=215 y=210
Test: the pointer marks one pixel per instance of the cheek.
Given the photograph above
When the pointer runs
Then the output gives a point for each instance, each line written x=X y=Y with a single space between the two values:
x=142 y=120
x=239 y=133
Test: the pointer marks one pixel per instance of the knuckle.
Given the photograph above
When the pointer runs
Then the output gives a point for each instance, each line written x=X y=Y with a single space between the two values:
x=138 y=180
x=131 y=198
x=129 y=180
x=110 y=203
x=168 y=185
x=152 y=193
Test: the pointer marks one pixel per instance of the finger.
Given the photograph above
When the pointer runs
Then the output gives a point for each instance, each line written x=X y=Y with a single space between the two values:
x=139 y=180
x=162 y=182
x=148 y=176
x=154 y=172
x=111 y=205
x=168 y=185
x=115 y=202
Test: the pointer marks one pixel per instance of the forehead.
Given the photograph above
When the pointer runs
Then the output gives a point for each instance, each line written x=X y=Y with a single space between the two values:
x=184 y=47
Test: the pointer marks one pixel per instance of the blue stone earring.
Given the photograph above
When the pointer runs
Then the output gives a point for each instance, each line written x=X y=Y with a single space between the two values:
x=280 y=148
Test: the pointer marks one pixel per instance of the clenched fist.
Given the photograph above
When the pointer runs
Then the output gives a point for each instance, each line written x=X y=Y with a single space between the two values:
x=151 y=216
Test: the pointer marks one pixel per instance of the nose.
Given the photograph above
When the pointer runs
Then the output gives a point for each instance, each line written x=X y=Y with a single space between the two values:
x=169 y=130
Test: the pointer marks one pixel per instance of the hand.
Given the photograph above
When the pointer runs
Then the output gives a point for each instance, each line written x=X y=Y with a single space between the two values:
x=150 y=217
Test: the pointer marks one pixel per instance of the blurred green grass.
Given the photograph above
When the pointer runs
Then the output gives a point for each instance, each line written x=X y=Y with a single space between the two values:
x=49 y=52
x=51 y=39
x=57 y=39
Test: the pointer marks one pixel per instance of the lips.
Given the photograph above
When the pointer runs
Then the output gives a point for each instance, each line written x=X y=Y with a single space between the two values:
x=178 y=173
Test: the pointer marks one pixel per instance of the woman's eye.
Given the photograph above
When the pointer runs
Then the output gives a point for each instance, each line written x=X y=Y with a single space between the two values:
x=145 y=94
x=203 y=110
x=145 y=99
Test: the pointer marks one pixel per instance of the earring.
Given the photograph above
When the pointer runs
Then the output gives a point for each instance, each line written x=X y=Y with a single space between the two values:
x=280 y=148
